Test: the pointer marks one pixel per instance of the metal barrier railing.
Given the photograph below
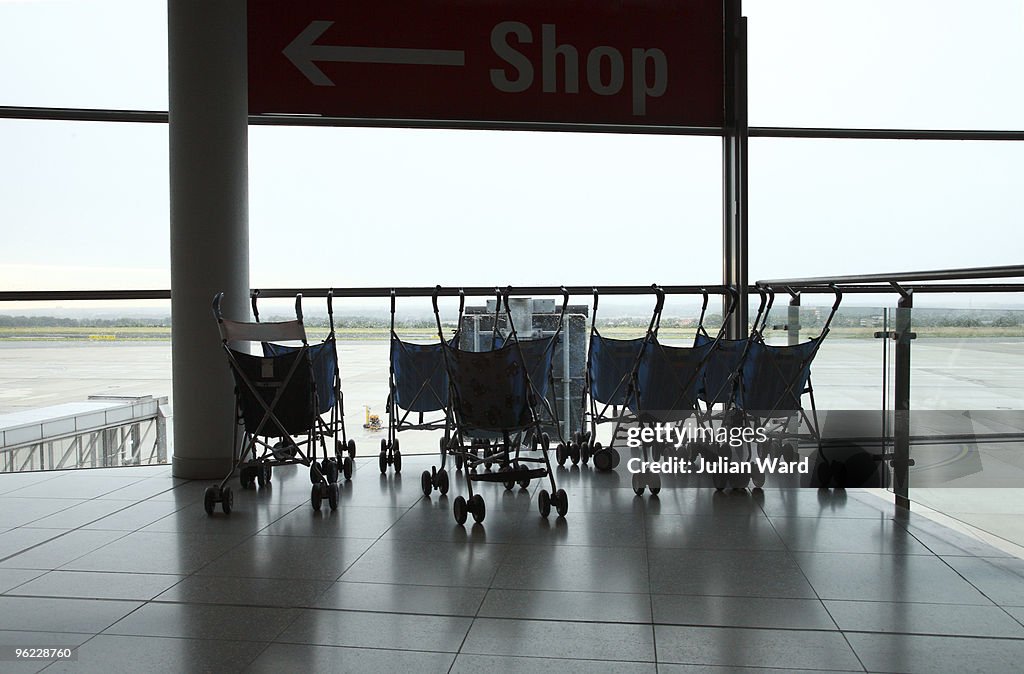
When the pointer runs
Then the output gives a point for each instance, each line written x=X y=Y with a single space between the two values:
x=905 y=285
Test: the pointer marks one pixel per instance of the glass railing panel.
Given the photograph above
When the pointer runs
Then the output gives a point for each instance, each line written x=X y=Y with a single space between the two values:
x=967 y=420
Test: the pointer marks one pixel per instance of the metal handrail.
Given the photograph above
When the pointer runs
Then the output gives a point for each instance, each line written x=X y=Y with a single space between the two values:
x=1005 y=271
x=161 y=117
x=809 y=286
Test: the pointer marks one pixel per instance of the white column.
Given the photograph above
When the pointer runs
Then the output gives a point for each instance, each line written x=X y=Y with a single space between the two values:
x=209 y=221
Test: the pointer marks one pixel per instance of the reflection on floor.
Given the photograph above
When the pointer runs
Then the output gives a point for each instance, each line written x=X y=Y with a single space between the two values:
x=125 y=566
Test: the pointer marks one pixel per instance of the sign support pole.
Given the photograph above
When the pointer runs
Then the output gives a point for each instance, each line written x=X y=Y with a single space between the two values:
x=734 y=166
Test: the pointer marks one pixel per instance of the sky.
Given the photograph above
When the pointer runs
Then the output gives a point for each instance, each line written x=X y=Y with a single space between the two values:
x=85 y=205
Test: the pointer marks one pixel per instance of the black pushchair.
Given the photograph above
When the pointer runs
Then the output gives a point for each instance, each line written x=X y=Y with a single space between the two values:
x=280 y=400
x=609 y=387
x=493 y=396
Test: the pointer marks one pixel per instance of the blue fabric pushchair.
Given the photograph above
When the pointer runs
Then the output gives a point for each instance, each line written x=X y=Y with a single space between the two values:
x=281 y=398
x=417 y=398
x=766 y=388
x=609 y=388
x=493 y=395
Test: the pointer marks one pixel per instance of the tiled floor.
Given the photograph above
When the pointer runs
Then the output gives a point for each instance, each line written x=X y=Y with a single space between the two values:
x=125 y=566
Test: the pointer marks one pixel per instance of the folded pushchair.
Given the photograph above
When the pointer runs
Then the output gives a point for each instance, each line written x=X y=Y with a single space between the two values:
x=280 y=400
x=609 y=387
x=769 y=387
x=417 y=398
x=493 y=396
x=668 y=381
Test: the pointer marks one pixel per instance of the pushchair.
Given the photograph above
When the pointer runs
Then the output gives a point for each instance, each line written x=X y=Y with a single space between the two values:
x=609 y=387
x=667 y=385
x=417 y=385
x=493 y=396
x=280 y=400
x=770 y=384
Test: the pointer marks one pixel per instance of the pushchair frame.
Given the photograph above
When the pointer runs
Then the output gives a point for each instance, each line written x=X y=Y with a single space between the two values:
x=252 y=438
x=515 y=439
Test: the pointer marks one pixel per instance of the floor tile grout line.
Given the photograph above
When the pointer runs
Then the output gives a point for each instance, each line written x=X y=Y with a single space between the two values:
x=344 y=571
x=962 y=576
x=817 y=596
x=650 y=590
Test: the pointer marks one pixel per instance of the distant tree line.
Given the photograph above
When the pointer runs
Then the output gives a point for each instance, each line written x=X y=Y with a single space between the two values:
x=57 y=322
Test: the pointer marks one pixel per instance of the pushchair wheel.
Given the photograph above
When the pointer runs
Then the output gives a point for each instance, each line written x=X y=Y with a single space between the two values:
x=476 y=506
x=654 y=484
x=315 y=473
x=824 y=474
x=269 y=471
x=561 y=502
x=758 y=478
x=245 y=477
x=351 y=446
x=739 y=481
x=382 y=460
x=560 y=454
x=585 y=453
x=602 y=457
x=210 y=499
x=789 y=452
x=442 y=482
x=347 y=466
x=333 y=493
x=719 y=479
x=426 y=483
x=458 y=461
x=459 y=509
x=839 y=474
x=315 y=496
x=329 y=469
x=638 y=484
x=227 y=500
x=397 y=461
x=261 y=476
x=574 y=454
x=524 y=483
x=544 y=503
x=615 y=457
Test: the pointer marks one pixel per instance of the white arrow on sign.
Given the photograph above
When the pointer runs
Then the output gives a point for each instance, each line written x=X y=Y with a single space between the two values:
x=302 y=52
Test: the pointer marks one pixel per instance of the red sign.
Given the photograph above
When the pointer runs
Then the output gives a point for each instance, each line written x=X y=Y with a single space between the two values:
x=633 y=62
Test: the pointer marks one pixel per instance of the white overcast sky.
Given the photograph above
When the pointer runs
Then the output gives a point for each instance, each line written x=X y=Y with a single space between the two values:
x=86 y=205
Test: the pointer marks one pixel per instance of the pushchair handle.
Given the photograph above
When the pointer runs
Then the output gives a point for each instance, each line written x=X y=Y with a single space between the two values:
x=734 y=300
x=660 y=304
x=217 y=298
x=595 y=300
x=565 y=298
x=252 y=300
x=330 y=302
x=298 y=307
x=393 y=300
x=433 y=298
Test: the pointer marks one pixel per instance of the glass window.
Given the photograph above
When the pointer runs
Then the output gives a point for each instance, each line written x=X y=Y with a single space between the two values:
x=365 y=207
x=833 y=207
x=86 y=204
x=84 y=53
x=927 y=64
